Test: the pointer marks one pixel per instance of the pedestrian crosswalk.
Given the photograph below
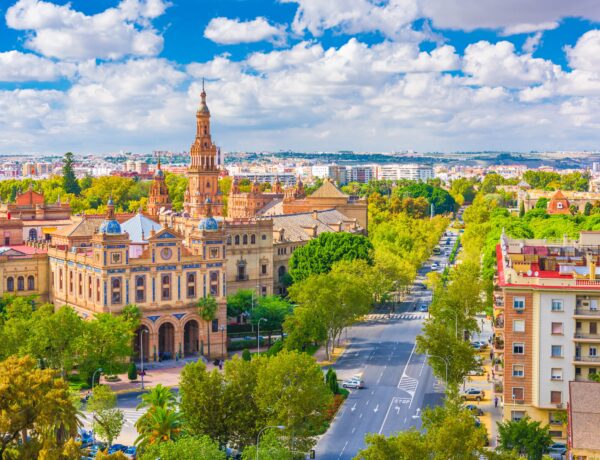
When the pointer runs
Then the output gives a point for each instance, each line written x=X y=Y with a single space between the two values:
x=386 y=316
x=131 y=416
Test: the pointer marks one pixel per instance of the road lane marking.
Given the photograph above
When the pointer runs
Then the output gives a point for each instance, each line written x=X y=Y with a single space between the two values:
x=360 y=416
x=343 y=448
x=376 y=408
x=353 y=430
x=353 y=408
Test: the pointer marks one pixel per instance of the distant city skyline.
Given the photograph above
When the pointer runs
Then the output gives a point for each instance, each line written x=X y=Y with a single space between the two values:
x=305 y=75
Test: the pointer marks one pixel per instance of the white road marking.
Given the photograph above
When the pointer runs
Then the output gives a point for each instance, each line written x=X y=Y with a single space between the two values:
x=353 y=430
x=360 y=416
x=343 y=448
x=376 y=408
x=353 y=408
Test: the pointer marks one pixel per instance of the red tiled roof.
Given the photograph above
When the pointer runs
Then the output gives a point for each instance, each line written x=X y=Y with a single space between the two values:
x=29 y=250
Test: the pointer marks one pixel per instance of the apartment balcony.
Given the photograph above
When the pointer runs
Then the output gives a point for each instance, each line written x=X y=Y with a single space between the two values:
x=593 y=312
x=498 y=302
x=499 y=324
x=586 y=337
x=594 y=360
x=498 y=346
x=581 y=378
x=242 y=278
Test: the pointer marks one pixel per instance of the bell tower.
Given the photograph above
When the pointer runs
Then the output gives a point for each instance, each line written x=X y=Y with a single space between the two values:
x=159 y=194
x=203 y=172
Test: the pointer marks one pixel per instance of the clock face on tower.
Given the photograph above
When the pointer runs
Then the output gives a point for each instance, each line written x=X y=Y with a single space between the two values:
x=166 y=253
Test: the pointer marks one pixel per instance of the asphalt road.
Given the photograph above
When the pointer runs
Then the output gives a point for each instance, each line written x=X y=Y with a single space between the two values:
x=398 y=381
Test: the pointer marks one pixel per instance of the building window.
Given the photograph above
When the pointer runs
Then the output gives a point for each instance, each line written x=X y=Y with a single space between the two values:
x=517 y=415
x=115 y=291
x=60 y=279
x=237 y=239
x=518 y=370
x=90 y=287
x=263 y=237
x=70 y=282
x=519 y=303
x=245 y=239
x=80 y=284
x=263 y=290
x=263 y=269
x=518 y=348
x=97 y=290
x=557 y=351
x=165 y=282
x=557 y=305
x=214 y=284
x=556 y=397
x=557 y=373
x=30 y=283
x=140 y=288
x=593 y=352
x=555 y=418
x=252 y=239
x=33 y=234
x=20 y=283
x=518 y=393
x=10 y=284
x=559 y=434
x=229 y=240
x=215 y=325
x=557 y=329
x=519 y=325
x=191 y=285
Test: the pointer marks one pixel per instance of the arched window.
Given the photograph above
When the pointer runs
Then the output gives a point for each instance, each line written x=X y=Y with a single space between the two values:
x=191 y=285
x=237 y=239
x=229 y=240
x=90 y=286
x=97 y=290
x=140 y=288
x=166 y=287
x=80 y=284
x=115 y=290
x=10 y=284
x=281 y=272
x=20 y=283
x=245 y=239
x=30 y=283
x=32 y=234
x=252 y=239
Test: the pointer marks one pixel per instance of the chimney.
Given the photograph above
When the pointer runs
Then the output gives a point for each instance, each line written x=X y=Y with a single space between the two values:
x=315 y=214
x=592 y=267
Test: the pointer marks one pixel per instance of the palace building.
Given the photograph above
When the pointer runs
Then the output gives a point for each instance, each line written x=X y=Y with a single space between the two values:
x=165 y=261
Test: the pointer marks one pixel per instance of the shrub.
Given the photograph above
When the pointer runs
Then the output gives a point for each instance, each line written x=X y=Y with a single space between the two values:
x=246 y=355
x=132 y=371
x=276 y=348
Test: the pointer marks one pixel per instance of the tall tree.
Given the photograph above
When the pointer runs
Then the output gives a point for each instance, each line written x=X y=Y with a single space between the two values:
x=207 y=309
x=319 y=255
x=108 y=419
x=70 y=184
x=185 y=448
x=161 y=422
x=273 y=310
x=37 y=414
x=240 y=302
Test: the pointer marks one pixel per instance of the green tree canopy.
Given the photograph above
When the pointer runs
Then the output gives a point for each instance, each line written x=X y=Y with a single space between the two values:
x=240 y=302
x=108 y=419
x=319 y=255
x=70 y=184
x=185 y=448
x=525 y=436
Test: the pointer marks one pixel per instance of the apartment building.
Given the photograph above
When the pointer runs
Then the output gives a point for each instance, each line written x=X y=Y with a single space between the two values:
x=546 y=323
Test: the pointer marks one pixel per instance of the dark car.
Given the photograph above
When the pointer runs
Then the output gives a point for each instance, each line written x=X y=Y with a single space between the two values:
x=117 y=448
x=474 y=409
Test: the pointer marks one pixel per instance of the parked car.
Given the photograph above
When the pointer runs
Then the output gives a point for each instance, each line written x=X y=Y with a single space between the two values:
x=131 y=451
x=424 y=308
x=473 y=394
x=434 y=266
x=117 y=448
x=558 y=448
x=477 y=372
x=473 y=408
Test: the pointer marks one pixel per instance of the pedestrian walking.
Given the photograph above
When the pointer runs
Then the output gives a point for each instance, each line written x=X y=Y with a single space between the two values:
x=496 y=402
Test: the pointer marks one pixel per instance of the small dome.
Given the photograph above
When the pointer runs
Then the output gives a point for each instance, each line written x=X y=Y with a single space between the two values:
x=110 y=202
x=111 y=227
x=208 y=224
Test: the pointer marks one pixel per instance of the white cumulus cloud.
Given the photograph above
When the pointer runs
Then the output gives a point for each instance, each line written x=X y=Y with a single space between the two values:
x=61 y=32
x=20 y=67
x=232 y=31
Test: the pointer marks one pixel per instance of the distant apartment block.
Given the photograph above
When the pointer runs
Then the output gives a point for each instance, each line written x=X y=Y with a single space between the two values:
x=361 y=174
x=546 y=323
x=286 y=179
x=416 y=172
x=337 y=173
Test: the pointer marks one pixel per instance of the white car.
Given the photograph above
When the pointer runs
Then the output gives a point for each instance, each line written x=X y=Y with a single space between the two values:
x=353 y=382
x=434 y=266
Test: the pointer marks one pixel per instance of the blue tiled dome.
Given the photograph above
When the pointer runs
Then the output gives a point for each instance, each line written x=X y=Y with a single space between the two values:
x=209 y=224
x=159 y=173
x=110 y=226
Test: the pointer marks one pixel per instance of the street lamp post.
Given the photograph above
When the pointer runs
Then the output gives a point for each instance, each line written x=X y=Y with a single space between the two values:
x=258 y=334
x=143 y=331
x=278 y=427
x=94 y=412
x=223 y=328
x=445 y=362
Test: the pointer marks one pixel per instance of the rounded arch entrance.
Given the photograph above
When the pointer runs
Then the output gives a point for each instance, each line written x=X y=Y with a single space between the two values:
x=142 y=339
x=166 y=341
x=191 y=338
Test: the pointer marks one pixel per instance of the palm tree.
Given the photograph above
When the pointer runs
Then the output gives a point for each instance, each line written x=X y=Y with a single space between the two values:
x=158 y=396
x=207 y=309
x=159 y=424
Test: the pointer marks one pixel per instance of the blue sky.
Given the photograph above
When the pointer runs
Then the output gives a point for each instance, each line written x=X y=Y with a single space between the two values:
x=365 y=75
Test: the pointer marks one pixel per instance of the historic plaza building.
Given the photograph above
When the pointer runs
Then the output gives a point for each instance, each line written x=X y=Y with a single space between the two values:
x=164 y=261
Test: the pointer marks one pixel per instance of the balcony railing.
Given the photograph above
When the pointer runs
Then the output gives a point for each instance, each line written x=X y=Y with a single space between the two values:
x=587 y=311
x=498 y=345
x=499 y=324
x=587 y=359
x=241 y=278
x=499 y=302
x=584 y=335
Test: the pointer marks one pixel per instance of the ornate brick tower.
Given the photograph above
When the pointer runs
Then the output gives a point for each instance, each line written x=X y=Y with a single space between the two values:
x=203 y=172
x=159 y=194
